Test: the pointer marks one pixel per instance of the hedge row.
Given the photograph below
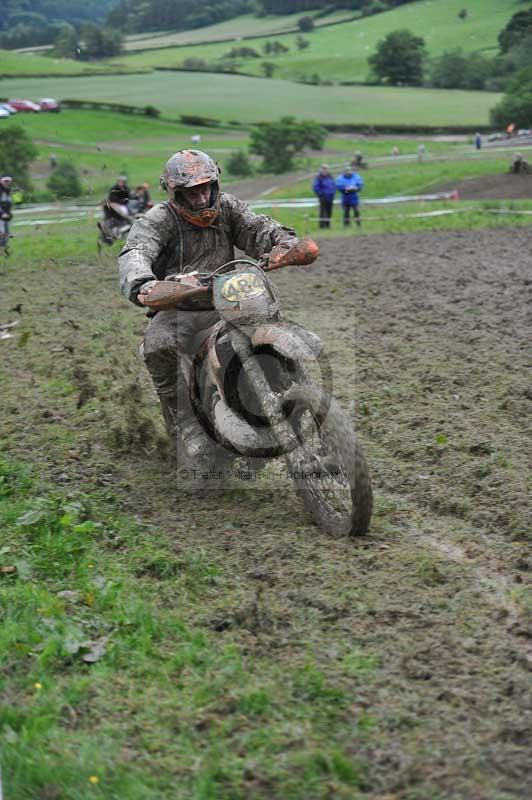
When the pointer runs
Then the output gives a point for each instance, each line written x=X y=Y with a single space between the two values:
x=84 y=74
x=370 y=130
x=121 y=108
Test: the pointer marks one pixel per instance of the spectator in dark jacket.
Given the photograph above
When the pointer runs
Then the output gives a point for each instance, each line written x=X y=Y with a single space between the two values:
x=349 y=184
x=119 y=193
x=5 y=208
x=324 y=187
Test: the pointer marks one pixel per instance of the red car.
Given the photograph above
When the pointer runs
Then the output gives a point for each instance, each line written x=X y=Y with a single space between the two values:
x=24 y=105
x=49 y=104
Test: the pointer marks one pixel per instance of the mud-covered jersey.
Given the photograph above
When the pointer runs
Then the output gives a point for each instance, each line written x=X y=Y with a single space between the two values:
x=162 y=243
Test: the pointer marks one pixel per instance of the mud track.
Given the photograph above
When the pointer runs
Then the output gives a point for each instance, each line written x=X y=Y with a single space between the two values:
x=493 y=187
x=429 y=339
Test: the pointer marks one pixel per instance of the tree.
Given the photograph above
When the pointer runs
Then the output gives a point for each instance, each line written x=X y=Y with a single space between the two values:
x=305 y=24
x=64 y=181
x=516 y=59
x=17 y=151
x=268 y=68
x=516 y=105
x=66 y=44
x=519 y=26
x=241 y=52
x=458 y=70
x=301 y=42
x=279 y=142
x=399 y=58
x=274 y=48
x=239 y=164
x=100 y=42
x=463 y=13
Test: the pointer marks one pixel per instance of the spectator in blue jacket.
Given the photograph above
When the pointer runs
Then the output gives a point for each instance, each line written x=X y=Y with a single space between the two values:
x=324 y=186
x=349 y=184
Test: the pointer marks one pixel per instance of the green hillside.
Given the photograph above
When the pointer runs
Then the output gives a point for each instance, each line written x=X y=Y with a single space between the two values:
x=13 y=63
x=336 y=52
x=340 y=52
x=248 y=100
x=246 y=25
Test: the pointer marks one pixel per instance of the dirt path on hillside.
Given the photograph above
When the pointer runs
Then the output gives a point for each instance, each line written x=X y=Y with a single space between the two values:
x=428 y=336
x=492 y=187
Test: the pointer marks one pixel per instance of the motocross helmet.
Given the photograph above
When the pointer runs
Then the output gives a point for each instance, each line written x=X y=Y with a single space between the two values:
x=184 y=170
x=6 y=180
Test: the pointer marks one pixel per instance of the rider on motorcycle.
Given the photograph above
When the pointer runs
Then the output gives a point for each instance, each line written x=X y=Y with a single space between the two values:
x=118 y=197
x=196 y=229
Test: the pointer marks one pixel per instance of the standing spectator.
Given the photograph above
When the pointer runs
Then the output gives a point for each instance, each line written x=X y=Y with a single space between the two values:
x=395 y=151
x=478 y=140
x=324 y=187
x=421 y=152
x=349 y=184
x=5 y=208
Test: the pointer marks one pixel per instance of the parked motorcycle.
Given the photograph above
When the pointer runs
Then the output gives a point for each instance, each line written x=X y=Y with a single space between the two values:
x=252 y=391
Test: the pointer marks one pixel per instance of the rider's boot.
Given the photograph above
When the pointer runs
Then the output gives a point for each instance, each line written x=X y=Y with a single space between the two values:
x=194 y=448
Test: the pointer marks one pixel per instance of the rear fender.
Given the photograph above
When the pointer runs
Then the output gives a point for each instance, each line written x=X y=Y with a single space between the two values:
x=291 y=341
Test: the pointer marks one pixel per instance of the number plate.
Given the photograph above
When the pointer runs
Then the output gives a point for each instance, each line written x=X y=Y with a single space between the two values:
x=242 y=287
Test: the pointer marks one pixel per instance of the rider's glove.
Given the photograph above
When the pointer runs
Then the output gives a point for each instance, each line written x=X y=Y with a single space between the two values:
x=147 y=287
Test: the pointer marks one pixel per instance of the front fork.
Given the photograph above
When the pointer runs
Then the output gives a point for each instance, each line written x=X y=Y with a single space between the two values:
x=269 y=401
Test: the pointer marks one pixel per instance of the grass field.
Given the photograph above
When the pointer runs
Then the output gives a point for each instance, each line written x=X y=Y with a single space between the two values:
x=232 y=29
x=337 y=53
x=89 y=128
x=413 y=178
x=340 y=52
x=229 y=97
x=163 y=642
x=104 y=144
x=12 y=63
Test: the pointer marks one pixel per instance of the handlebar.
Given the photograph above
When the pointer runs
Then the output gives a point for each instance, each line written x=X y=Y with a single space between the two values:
x=171 y=294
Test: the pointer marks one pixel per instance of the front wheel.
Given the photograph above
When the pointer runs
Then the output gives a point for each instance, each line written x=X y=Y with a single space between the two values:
x=329 y=467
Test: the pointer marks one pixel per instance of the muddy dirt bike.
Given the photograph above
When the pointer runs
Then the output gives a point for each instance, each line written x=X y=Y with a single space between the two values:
x=117 y=221
x=253 y=394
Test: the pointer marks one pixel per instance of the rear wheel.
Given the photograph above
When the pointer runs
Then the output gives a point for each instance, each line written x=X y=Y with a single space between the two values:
x=329 y=468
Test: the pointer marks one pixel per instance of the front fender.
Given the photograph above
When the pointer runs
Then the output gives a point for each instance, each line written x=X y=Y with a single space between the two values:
x=291 y=341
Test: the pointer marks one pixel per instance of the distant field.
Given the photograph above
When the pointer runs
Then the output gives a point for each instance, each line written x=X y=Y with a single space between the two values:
x=246 y=25
x=12 y=63
x=87 y=128
x=341 y=52
x=27 y=63
x=411 y=178
x=338 y=52
x=104 y=144
x=248 y=100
